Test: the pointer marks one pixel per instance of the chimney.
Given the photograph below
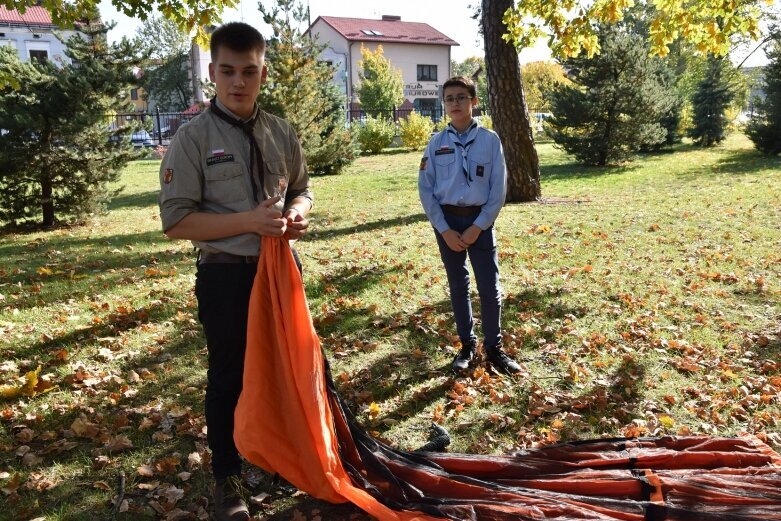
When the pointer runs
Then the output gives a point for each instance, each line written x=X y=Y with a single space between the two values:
x=391 y=18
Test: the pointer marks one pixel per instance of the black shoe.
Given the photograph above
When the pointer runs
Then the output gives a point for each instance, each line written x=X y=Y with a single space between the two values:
x=502 y=362
x=229 y=504
x=462 y=359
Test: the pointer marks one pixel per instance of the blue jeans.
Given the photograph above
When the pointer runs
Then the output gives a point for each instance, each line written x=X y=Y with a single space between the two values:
x=485 y=264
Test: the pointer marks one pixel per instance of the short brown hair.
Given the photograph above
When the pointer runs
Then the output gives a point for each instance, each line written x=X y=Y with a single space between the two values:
x=461 y=81
x=236 y=36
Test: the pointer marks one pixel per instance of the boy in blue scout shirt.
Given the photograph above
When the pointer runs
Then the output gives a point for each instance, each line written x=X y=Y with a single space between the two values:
x=462 y=185
x=231 y=175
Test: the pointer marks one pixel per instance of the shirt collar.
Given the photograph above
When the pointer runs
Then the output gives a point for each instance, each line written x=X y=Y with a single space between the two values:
x=225 y=109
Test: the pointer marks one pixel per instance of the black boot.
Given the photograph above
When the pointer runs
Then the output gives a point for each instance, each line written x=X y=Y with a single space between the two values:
x=500 y=360
x=229 y=504
x=462 y=359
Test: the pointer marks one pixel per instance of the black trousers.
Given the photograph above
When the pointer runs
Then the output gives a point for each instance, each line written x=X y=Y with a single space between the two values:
x=223 y=293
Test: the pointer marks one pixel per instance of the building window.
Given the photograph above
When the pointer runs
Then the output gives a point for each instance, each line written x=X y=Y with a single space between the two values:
x=427 y=73
x=39 y=56
x=134 y=94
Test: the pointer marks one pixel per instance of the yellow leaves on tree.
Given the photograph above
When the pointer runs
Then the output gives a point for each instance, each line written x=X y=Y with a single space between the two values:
x=571 y=28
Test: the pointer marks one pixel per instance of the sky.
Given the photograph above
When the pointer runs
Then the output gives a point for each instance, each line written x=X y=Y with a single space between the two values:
x=453 y=18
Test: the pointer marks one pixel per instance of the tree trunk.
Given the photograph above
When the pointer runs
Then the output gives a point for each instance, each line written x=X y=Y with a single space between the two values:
x=47 y=201
x=507 y=105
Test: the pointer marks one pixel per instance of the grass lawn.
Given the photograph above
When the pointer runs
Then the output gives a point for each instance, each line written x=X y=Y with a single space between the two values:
x=641 y=300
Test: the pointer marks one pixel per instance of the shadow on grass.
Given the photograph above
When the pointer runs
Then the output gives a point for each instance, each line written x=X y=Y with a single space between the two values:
x=137 y=200
x=380 y=224
x=573 y=170
x=746 y=162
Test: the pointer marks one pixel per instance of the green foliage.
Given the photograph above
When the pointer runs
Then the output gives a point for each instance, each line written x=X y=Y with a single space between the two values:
x=381 y=86
x=191 y=16
x=164 y=50
x=714 y=95
x=375 y=134
x=539 y=81
x=474 y=67
x=415 y=131
x=300 y=90
x=56 y=150
x=487 y=122
x=442 y=124
x=616 y=105
x=764 y=129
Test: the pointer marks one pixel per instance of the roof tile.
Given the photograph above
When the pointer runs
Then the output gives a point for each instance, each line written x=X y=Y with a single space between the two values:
x=386 y=31
x=34 y=15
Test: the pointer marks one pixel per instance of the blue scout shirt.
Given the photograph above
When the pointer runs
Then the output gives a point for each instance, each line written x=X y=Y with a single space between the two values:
x=442 y=179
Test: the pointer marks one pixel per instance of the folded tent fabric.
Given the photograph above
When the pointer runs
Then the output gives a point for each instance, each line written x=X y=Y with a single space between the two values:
x=291 y=420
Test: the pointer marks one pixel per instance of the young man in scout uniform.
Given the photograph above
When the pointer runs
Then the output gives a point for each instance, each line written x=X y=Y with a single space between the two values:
x=232 y=174
x=462 y=185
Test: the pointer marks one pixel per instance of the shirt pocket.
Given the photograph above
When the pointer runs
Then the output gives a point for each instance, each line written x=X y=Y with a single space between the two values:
x=444 y=164
x=480 y=168
x=225 y=183
x=276 y=179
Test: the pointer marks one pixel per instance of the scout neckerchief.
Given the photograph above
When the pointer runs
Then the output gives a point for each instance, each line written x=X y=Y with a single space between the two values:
x=255 y=155
x=471 y=134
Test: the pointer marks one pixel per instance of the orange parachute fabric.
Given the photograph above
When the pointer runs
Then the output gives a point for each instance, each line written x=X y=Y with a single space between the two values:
x=290 y=420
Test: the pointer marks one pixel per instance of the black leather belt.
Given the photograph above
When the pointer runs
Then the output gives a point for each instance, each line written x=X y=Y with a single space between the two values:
x=461 y=210
x=208 y=257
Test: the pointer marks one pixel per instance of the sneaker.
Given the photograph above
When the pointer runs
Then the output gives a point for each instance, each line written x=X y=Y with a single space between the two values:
x=502 y=362
x=229 y=504
x=462 y=359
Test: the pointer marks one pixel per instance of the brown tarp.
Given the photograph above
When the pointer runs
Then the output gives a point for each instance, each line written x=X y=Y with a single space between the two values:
x=290 y=420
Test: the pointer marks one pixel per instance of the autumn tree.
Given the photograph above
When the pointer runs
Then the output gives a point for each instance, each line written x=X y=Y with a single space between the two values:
x=616 y=103
x=165 y=51
x=715 y=92
x=381 y=87
x=764 y=129
x=507 y=105
x=539 y=81
x=57 y=151
x=300 y=89
x=474 y=68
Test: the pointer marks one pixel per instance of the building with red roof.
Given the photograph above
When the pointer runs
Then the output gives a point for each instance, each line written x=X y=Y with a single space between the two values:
x=419 y=51
x=32 y=34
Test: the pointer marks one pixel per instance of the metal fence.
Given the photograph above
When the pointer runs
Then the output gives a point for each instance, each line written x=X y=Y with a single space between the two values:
x=159 y=127
x=358 y=115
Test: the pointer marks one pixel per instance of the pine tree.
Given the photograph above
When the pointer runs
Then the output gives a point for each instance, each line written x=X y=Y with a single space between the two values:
x=382 y=87
x=764 y=129
x=616 y=104
x=300 y=89
x=715 y=92
x=57 y=152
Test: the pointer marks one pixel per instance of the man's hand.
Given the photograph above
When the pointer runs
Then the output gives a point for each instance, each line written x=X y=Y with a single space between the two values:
x=454 y=240
x=267 y=220
x=296 y=224
x=470 y=235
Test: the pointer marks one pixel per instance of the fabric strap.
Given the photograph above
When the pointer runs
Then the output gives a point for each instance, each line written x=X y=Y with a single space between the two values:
x=471 y=134
x=255 y=155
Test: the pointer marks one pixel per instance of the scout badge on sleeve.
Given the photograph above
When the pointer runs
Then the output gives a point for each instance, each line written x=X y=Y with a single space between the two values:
x=169 y=175
x=423 y=163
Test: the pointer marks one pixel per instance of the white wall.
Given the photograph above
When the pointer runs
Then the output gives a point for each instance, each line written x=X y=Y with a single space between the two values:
x=406 y=57
x=24 y=41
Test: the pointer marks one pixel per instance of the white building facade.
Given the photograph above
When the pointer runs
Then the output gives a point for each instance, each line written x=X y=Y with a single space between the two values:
x=33 y=35
x=419 y=51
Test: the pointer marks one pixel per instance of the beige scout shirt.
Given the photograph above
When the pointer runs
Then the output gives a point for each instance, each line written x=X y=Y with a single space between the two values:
x=206 y=169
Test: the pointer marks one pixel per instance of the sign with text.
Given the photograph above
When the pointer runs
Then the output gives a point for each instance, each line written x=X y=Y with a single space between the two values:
x=421 y=90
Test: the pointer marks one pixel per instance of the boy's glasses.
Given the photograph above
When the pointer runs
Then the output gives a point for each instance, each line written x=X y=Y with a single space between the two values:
x=458 y=99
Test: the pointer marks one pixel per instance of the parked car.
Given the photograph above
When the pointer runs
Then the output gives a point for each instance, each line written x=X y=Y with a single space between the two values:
x=141 y=138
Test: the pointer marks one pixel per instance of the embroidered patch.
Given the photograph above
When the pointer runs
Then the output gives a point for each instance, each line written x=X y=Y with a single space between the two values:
x=168 y=175
x=480 y=170
x=423 y=163
x=218 y=151
x=444 y=150
x=217 y=159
